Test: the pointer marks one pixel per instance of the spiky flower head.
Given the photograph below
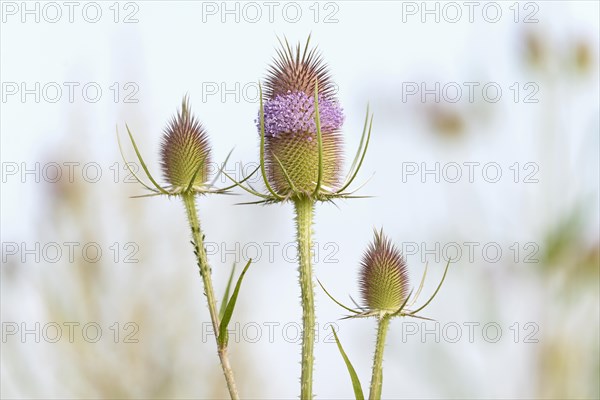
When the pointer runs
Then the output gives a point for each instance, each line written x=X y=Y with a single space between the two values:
x=291 y=145
x=383 y=276
x=185 y=151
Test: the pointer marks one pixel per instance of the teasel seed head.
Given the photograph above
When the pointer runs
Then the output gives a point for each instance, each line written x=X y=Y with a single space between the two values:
x=185 y=150
x=290 y=128
x=383 y=276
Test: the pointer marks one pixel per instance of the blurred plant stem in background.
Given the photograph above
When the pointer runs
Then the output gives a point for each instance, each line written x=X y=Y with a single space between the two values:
x=570 y=265
x=155 y=361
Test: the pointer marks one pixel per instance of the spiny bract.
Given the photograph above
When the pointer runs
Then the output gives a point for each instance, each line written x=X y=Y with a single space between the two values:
x=383 y=276
x=185 y=150
x=290 y=128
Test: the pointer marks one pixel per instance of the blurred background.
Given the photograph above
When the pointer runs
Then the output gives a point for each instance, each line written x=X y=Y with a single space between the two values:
x=485 y=149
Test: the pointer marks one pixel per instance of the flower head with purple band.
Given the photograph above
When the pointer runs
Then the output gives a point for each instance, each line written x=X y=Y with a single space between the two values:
x=297 y=160
x=294 y=112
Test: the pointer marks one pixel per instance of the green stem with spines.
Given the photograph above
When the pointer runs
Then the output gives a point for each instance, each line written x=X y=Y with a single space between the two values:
x=304 y=215
x=377 y=376
x=205 y=272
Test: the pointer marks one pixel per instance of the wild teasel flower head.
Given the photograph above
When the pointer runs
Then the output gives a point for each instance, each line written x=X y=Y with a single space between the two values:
x=383 y=276
x=291 y=139
x=185 y=151
x=384 y=283
x=185 y=157
x=299 y=123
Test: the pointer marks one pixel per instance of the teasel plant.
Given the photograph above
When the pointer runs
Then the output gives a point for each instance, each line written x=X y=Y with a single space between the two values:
x=299 y=122
x=384 y=287
x=185 y=158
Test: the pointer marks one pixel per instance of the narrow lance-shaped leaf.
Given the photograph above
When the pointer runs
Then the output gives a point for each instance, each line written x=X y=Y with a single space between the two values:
x=143 y=164
x=352 y=175
x=334 y=300
x=128 y=164
x=262 y=147
x=226 y=294
x=193 y=179
x=358 y=392
x=218 y=174
x=436 y=290
x=414 y=300
x=285 y=174
x=360 y=145
x=247 y=189
x=403 y=305
x=319 y=141
x=230 y=307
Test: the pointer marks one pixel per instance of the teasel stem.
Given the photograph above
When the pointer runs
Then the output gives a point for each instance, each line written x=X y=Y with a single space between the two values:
x=304 y=215
x=377 y=377
x=205 y=272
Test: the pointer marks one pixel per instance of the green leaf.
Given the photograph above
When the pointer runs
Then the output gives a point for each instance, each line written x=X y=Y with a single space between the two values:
x=360 y=146
x=414 y=300
x=403 y=305
x=240 y=182
x=218 y=174
x=285 y=174
x=143 y=164
x=198 y=168
x=262 y=147
x=247 y=189
x=358 y=392
x=352 y=174
x=334 y=300
x=127 y=163
x=226 y=294
x=434 y=293
x=230 y=306
x=319 y=141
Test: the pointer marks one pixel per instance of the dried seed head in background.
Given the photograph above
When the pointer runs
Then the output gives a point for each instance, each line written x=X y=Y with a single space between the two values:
x=185 y=150
x=383 y=276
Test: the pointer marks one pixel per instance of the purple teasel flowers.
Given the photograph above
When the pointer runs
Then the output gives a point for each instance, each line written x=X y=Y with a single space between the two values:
x=299 y=122
x=301 y=154
x=293 y=113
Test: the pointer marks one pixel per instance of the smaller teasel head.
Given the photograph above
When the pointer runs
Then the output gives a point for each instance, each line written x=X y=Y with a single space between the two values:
x=185 y=151
x=291 y=147
x=384 y=283
x=383 y=276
